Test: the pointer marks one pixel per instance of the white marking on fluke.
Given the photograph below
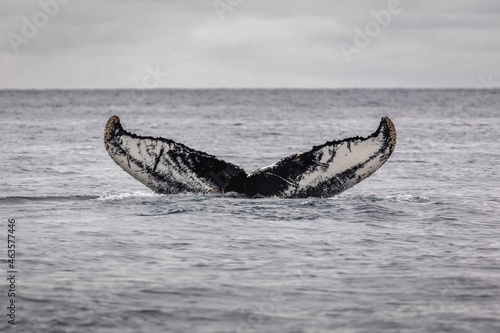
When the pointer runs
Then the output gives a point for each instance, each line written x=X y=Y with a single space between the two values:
x=166 y=166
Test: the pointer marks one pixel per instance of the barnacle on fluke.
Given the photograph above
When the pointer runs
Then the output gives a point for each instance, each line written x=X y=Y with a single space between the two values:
x=112 y=124
x=169 y=167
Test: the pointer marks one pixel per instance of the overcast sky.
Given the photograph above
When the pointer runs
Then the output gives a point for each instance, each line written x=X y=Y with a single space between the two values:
x=248 y=43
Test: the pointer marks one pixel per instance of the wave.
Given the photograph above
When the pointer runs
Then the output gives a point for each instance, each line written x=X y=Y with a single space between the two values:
x=121 y=196
x=63 y=198
x=45 y=198
x=401 y=198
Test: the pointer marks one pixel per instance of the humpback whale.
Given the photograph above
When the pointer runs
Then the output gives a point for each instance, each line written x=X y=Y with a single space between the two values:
x=169 y=167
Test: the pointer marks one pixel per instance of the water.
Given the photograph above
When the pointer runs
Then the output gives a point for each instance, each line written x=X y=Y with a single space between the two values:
x=413 y=248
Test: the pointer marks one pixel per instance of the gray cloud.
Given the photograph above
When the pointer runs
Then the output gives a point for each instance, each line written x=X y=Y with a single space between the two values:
x=110 y=44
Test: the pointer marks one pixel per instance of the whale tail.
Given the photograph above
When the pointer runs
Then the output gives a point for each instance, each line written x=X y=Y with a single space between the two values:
x=168 y=167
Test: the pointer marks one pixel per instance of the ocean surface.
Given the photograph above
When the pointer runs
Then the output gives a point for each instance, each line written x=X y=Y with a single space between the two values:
x=413 y=248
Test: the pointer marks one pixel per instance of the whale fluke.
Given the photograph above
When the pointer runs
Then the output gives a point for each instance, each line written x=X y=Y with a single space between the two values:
x=168 y=167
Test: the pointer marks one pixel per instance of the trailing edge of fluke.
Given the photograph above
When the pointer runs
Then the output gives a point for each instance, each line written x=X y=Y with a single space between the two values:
x=168 y=167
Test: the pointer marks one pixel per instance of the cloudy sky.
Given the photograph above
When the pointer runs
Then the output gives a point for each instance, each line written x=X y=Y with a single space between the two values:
x=248 y=43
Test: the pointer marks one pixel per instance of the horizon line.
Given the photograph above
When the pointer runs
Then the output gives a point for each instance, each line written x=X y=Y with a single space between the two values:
x=252 y=88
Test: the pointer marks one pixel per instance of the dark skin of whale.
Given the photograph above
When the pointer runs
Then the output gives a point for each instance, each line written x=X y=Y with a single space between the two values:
x=169 y=167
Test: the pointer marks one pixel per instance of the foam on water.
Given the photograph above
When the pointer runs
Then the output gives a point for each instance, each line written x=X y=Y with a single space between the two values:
x=121 y=196
x=390 y=198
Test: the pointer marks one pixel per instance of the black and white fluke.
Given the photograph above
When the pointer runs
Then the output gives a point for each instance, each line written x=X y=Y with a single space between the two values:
x=168 y=167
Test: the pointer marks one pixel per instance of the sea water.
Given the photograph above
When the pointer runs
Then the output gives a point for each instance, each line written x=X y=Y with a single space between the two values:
x=413 y=248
